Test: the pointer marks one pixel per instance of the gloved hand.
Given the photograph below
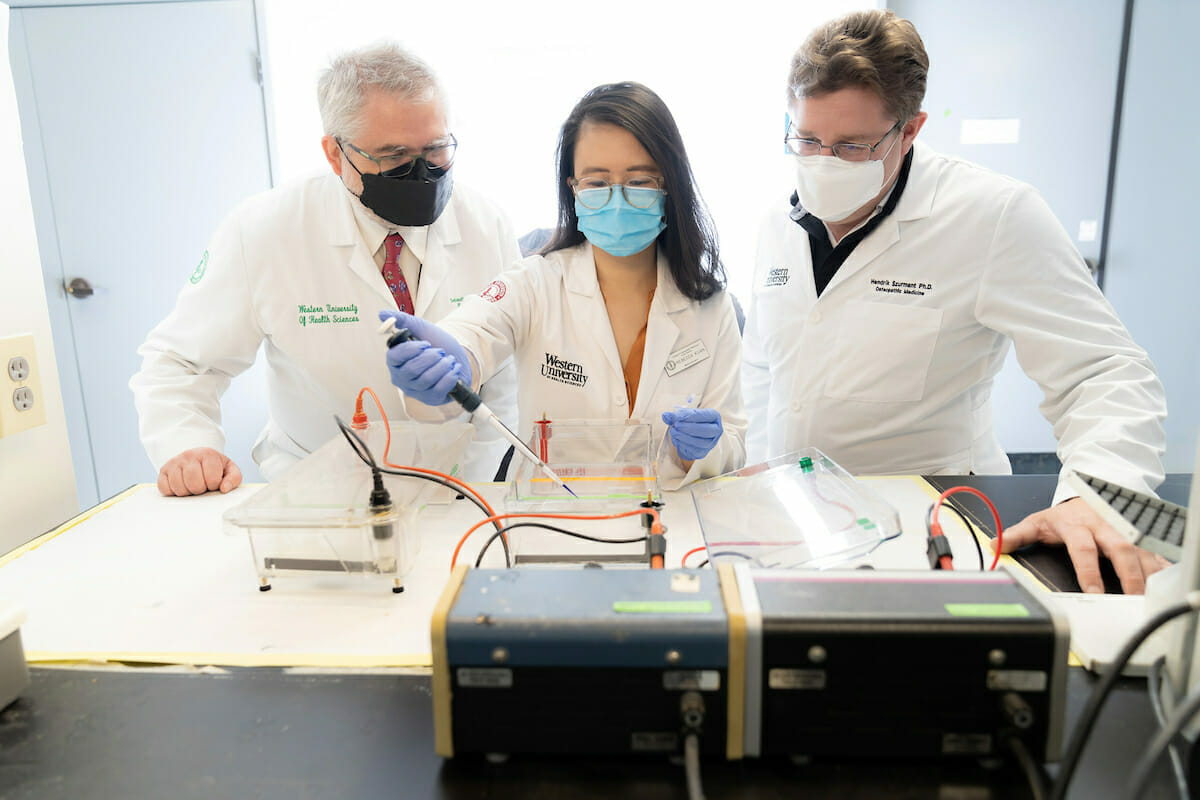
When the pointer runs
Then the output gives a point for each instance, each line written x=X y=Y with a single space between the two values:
x=426 y=369
x=694 y=431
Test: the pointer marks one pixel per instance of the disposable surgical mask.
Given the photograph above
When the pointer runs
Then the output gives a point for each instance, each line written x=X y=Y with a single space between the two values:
x=831 y=189
x=619 y=228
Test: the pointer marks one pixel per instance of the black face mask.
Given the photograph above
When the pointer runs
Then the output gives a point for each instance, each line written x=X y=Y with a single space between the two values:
x=412 y=200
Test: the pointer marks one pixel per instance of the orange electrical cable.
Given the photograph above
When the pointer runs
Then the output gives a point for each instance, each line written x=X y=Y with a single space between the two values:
x=683 y=561
x=388 y=427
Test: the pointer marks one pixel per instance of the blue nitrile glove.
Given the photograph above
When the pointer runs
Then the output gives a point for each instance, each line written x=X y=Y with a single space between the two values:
x=694 y=431
x=426 y=369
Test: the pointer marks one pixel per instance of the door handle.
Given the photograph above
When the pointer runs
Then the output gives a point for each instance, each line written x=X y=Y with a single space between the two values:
x=79 y=288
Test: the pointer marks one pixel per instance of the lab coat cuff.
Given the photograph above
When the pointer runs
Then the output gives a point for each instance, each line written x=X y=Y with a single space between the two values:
x=1063 y=492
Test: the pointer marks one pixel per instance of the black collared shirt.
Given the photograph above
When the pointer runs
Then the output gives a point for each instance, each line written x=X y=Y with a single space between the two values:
x=827 y=259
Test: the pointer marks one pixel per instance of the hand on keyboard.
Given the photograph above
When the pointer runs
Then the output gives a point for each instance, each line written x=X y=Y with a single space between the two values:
x=1073 y=523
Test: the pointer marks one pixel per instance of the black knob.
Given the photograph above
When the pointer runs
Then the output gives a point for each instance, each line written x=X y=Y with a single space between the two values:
x=79 y=287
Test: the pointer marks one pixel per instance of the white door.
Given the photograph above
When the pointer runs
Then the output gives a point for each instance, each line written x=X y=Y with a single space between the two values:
x=143 y=124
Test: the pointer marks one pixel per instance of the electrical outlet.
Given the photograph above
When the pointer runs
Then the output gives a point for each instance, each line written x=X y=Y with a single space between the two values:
x=18 y=368
x=22 y=405
x=23 y=399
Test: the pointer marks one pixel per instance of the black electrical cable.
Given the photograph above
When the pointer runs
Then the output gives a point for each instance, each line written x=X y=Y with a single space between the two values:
x=363 y=452
x=974 y=534
x=1091 y=710
x=1184 y=712
x=725 y=553
x=1154 y=689
x=1034 y=774
x=499 y=534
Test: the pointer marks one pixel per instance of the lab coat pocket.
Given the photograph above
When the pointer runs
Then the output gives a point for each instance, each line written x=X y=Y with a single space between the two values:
x=883 y=352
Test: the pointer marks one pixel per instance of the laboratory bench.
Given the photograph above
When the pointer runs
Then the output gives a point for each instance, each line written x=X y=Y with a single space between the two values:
x=118 y=713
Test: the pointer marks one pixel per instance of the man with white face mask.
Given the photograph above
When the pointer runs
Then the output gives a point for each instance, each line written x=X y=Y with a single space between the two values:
x=302 y=271
x=887 y=291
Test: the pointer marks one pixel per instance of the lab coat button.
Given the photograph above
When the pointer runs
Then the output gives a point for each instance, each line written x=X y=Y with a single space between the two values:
x=814 y=317
x=796 y=405
x=619 y=400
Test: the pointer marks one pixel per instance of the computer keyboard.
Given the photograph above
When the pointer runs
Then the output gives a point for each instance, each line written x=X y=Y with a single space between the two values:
x=1145 y=520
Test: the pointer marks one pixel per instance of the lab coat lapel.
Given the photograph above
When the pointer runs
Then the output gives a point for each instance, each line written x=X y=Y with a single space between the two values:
x=667 y=311
x=345 y=236
x=588 y=313
x=915 y=203
x=434 y=246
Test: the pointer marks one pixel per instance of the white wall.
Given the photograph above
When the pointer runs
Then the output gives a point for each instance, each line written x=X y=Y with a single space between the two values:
x=37 y=484
x=514 y=71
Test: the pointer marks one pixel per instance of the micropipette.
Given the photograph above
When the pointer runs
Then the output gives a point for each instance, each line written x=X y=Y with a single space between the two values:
x=471 y=402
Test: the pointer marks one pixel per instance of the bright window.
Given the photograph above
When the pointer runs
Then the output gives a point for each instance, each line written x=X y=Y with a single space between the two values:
x=513 y=72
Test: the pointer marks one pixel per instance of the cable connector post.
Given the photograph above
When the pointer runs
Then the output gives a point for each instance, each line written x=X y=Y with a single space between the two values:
x=359 y=421
x=691 y=711
x=649 y=519
x=938 y=547
x=380 y=503
x=656 y=546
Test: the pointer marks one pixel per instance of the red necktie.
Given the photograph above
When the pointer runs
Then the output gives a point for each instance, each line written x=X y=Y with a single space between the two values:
x=392 y=275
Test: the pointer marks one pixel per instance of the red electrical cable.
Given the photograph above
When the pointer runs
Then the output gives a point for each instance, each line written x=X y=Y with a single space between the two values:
x=935 y=526
x=683 y=561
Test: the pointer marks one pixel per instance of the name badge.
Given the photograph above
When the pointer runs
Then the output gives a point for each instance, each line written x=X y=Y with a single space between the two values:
x=687 y=356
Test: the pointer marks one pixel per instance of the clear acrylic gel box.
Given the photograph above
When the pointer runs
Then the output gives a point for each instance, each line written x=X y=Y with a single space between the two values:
x=315 y=520
x=610 y=465
x=797 y=510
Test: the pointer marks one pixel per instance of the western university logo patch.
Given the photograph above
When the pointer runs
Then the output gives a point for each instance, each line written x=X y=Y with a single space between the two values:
x=563 y=371
x=777 y=276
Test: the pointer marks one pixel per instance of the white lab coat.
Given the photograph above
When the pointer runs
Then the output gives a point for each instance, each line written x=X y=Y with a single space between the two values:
x=548 y=313
x=891 y=369
x=289 y=270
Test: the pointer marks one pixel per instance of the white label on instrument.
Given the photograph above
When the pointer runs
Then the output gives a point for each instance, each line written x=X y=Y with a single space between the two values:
x=701 y=680
x=1017 y=680
x=485 y=677
x=796 y=679
x=966 y=744
x=682 y=582
x=653 y=742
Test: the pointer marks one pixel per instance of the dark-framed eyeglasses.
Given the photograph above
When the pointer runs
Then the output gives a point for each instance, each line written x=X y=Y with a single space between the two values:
x=847 y=151
x=640 y=191
x=397 y=165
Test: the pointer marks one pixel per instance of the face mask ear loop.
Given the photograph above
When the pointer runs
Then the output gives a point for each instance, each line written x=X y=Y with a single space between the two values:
x=900 y=135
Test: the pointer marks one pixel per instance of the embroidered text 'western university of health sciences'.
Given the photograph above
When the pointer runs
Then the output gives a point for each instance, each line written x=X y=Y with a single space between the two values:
x=563 y=371
x=327 y=313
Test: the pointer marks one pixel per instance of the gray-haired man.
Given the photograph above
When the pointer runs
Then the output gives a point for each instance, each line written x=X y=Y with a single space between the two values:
x=303 y=269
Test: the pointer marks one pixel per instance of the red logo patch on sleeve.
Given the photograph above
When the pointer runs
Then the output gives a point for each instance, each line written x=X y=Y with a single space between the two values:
x=494 y=291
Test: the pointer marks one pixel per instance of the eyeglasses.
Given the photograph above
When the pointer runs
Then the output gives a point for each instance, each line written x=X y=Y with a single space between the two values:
x=640 y=191
x=847 y=151
x=438 y=156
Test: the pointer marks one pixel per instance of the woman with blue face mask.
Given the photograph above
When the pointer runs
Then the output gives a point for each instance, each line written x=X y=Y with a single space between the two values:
x=622 y=315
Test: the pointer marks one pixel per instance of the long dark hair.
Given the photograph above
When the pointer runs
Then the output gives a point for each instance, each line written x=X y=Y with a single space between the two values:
x=690 y=239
